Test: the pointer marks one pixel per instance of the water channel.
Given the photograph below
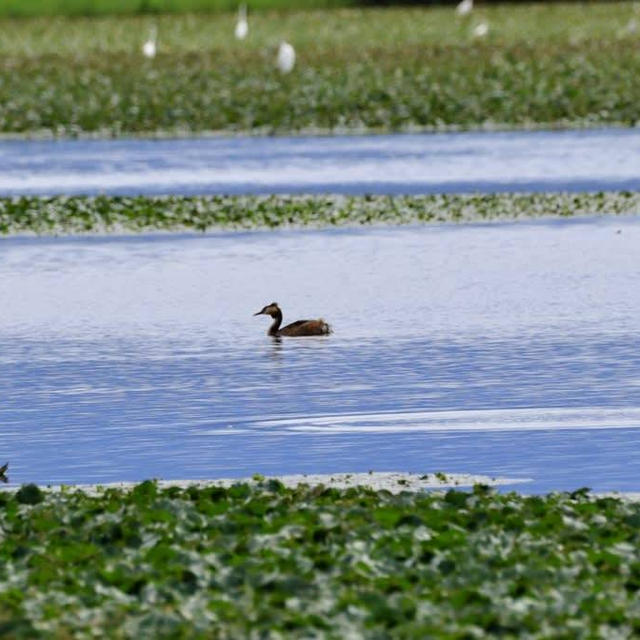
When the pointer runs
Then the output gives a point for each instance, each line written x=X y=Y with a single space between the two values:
x=396 y=164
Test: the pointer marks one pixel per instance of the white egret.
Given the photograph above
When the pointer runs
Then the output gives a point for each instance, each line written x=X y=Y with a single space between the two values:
x=481 y=30
x=464 y=7
x=242 y=26
x=149 y=47
x=286 y=57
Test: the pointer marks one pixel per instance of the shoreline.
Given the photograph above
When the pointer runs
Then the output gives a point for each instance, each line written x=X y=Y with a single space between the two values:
x=392 y=481
x=46 y=135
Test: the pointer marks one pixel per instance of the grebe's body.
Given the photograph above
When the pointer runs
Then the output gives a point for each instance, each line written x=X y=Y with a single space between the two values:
x=295 y=329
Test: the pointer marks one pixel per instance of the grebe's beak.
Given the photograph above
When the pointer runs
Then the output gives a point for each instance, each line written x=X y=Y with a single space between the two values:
x=259 y=313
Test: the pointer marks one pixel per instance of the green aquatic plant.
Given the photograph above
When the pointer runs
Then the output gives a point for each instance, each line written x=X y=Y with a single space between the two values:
x=76 y=215
x=261 y=559
x=356 y=70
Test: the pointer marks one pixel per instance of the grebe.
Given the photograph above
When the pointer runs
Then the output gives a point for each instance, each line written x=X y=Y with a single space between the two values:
x=3 y=472
x=299 y=328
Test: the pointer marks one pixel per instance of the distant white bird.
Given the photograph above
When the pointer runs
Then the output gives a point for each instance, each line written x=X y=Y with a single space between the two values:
x=464 y=7
x=481 y=30
x=242 y=26
x=149 y=47
x=286 y=59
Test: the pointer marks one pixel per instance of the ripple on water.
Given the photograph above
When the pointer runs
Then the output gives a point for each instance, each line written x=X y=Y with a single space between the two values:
x=587 y=160
x=502 y=349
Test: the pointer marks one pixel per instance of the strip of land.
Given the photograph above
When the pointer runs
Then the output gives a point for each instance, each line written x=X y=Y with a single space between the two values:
x=61 y=215
x=392 y=481
x=357 y=70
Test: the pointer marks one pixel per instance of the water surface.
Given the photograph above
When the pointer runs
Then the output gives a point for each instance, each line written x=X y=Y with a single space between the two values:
x=506 y=349
x=387 y=164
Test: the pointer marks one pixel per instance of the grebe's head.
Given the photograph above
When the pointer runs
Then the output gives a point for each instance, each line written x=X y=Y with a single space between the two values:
x=270 y=310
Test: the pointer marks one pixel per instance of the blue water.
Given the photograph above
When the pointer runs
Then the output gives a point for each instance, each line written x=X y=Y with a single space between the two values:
x=505 y=349
x=395 y=164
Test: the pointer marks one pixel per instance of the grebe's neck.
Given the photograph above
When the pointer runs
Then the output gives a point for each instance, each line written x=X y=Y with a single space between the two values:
x=277 y=321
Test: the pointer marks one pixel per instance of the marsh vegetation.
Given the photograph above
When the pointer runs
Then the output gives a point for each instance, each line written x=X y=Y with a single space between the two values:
x=260 y=558
x=357 y=69
x=73 y=215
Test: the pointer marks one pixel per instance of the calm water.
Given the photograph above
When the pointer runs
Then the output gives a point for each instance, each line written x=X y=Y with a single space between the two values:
x=501 y=349
x=459 y=162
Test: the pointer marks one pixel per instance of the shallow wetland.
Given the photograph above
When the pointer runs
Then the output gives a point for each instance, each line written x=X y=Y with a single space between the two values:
x=498 y=345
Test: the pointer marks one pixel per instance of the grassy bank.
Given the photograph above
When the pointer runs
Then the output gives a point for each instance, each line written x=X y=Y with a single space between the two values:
x=265 y=560
x=394 y=69
x=73 y=215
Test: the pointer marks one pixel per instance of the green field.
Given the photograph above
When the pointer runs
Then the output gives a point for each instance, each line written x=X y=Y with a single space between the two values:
x=32 y=8
x=260 y=560
x=357 y=69
x=107 y=214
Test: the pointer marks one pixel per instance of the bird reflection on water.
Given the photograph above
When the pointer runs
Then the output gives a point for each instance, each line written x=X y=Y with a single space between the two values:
x=275 y=349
